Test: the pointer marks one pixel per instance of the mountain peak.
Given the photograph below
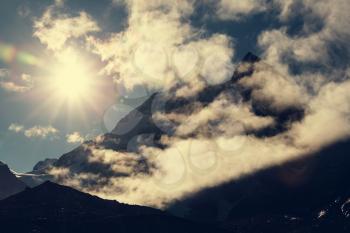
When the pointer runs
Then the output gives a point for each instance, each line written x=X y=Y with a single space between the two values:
x=54 y=191
x=3 y=164
x=51 y=186
x=250 y=57
x=9 y=184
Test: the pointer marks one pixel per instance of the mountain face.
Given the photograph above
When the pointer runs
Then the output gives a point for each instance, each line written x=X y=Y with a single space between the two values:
x=54 y=208
x=267 y=201
x=139 y=127
x=9 y=184
x=42 y=165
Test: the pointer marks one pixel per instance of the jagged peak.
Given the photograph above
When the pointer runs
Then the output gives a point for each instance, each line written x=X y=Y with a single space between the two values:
x=250 y=57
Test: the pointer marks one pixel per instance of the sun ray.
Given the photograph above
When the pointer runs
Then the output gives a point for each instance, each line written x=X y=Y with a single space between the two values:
x=70 y=85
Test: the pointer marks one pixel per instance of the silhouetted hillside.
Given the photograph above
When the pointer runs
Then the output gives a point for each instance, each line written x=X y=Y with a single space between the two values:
x=51 y=208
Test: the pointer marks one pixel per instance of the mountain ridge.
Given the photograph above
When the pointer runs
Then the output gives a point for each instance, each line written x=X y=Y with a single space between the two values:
x=53 y=208
x=9 y=184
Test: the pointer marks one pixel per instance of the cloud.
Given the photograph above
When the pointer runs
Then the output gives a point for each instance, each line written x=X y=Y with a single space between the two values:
x=328 y=118
x=213 y=145
x=158 y=176
x=59 y=2
x=74 y=138
x=24 y=84
x=122 y=164
x=238 y=9
x=157 y=31
x=325 y=24
x=184 y=167
x=265 y=82
x=42 y=132
x=225 y=116
x=54 y=29
x=16 y=128
x=210 y=144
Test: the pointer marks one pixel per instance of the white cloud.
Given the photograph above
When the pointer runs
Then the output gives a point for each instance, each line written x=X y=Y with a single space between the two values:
x=10 y=84
x=54 y=29
x=59 y=2
x=74 y=138
x=328 y=118
x=157 y=31
x=16 y=128
x=311 y=45
x=238 y=9
x=225 y=116
x=37 y=131
x=186 y=166
x=280 y=91
x=41 y=132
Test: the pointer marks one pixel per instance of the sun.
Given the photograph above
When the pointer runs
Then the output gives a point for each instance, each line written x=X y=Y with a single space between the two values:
x=70 y=79
x=71 y=86
x=71 y=82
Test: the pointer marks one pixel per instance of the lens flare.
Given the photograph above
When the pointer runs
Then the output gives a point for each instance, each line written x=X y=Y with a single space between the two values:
x=10 y=54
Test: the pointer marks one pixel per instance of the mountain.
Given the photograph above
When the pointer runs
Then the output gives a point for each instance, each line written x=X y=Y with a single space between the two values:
x=42 y=165
x=9 y=184
x=310 y=194
x=38 y=175
x=53 y=208
x=139 y=127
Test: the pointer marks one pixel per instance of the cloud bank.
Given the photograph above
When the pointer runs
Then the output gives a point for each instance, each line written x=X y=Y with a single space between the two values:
x=159 y=31
x=214 y=144
x=205 y=144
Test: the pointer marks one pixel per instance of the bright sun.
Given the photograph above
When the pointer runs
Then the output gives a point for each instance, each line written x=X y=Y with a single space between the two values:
x=70 y=79
x=71 y=85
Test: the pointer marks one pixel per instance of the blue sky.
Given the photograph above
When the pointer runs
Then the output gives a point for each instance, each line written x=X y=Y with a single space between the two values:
x=272 y=30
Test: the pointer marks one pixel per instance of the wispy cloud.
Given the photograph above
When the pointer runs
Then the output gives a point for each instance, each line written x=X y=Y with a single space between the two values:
x=238 y=9
x=41 y=132
x=23 y=84
x=16 y=128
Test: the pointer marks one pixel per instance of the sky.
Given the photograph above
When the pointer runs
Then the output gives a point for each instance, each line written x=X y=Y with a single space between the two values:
x=70 y=69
